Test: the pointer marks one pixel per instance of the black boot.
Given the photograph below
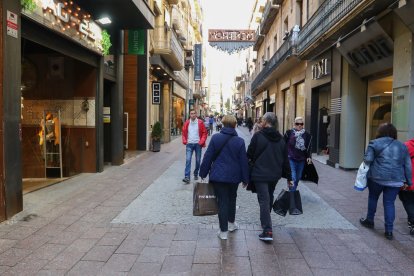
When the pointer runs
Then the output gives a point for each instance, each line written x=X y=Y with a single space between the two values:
x=292 y=205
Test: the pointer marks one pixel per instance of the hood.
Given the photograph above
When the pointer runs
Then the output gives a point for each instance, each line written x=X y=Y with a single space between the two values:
x=271 y=134
x=228 y=131
x=380 y=143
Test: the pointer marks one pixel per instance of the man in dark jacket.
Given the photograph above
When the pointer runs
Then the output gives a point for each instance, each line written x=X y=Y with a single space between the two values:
x=268 y=152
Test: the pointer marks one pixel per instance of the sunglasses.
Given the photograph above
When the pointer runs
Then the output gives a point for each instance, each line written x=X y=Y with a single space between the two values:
x=299 y=124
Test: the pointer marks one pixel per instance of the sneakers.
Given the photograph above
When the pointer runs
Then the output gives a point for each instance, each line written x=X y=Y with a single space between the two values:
x=388 y=235
x=186 y=180
x=266 y=236
x=366 y=223
x=222 y=235
x=233 y=226
x=195 y=177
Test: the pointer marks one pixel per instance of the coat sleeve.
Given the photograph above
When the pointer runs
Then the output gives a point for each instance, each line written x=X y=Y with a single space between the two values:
x=407 y=167
x=252 y=147
x=203 y=134
x=207 y=160
x=369 y=153
x=184 y=133
x=244 y=166
x=287 y=172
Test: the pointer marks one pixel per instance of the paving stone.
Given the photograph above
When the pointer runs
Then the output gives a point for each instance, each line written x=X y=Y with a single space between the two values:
x=327 y=272
x=340 y=253
x=145 y=269
x=51 y=272
x=182 y=248
x=112 y=239
x=237 y=248
x=65 y=237
x=205 y=270
x=64 y=260
x=20 y=233
x=160 y=240
x=13 y=255
x=94 y=233
x=6 y=244
x=120 y=263
x=232 y=265
x=86 y=268
x=318 y=259
x=265 y=264
x=51 y=230
x=49 y=251
x=186 y=235
x=100 y=253
x=66 y=219
x=28 y=266
x=287 y=251
x=207 y=256
x=32 y=242
x=352 y=267
x=177 y=264
x=295 y=267
x=131 y=246
x=153 y=255
x=375 y=262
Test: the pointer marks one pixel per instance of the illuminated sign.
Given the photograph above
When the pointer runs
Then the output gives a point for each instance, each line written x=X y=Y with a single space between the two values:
x=231 y=36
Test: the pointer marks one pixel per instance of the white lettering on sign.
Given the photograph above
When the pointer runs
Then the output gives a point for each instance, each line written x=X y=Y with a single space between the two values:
x=320 y=69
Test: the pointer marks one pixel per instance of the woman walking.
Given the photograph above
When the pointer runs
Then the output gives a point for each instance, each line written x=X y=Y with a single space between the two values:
x=226 y=163
x=298 y=141
x=407 y=193
x=390 y=169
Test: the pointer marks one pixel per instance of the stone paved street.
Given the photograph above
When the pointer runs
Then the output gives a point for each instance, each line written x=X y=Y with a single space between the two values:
x=136 y=219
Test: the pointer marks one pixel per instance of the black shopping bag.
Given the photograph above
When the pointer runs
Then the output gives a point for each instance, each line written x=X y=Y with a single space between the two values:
x=295 y=202
x=204 y=200
x=281 y=204
x=309 y=173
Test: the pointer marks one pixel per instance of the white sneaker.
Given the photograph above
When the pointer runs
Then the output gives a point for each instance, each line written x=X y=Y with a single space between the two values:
x=233 y=226
x=222 y=235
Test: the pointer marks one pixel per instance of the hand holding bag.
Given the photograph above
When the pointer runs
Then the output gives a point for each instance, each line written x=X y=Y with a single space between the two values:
x=361 y=178
x=204 y=200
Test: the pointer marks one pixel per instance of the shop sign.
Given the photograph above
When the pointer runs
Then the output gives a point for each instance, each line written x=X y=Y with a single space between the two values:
x=320 y=69
x=136 y=42
x=68 y=18
x=156 y=93
x=12 y=27
x=197 y=62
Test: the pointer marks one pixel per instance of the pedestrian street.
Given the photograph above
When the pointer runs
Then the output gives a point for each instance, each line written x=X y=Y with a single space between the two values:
x=136 y=219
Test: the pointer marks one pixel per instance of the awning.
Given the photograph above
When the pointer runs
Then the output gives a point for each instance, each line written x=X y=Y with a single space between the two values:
x=124 y=14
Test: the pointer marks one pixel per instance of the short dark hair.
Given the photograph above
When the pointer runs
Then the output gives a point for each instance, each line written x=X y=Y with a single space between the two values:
x=386 y=130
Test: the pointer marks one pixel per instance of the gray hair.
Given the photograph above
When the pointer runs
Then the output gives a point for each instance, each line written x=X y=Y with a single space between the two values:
x=297 y=119
x=271 y=119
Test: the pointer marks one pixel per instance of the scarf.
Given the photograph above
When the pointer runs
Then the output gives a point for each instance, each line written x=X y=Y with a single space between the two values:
x=300 y=142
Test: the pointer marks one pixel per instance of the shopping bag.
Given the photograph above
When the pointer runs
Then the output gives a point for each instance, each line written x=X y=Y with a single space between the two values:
x=361 y=178
x=310 y=173
x=204 y=200
x=281 y=204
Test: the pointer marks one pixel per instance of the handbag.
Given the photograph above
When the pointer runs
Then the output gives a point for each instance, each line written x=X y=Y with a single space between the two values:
x=361 y=178
x=281 y=204
x=204 y=200
x=309 y=173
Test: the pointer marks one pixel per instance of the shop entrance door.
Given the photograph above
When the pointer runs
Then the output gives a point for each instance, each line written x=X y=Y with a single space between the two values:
x=109 y=87
x=380 y=112
x=319 y=128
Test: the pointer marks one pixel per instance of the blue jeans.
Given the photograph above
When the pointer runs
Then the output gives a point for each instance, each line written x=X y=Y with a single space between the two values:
x=297 y=169
x=189 y=148
x=389 y=195
x=226 y=197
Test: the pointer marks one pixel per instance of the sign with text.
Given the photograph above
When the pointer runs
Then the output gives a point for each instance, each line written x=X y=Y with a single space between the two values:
x=197 y=62
x=12 y=26
x=136 y=42
x=231 y=35
x=156 y=93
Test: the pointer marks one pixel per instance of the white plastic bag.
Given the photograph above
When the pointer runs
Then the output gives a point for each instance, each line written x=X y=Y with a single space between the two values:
x=361 y=179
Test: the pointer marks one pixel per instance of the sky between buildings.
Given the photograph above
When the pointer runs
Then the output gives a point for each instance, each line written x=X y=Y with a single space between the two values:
x=222 y=67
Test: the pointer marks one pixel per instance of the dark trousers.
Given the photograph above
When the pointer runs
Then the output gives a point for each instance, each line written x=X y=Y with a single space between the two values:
x=407 y=199
x=226 y=194
x=265 y=197
x=389 y=194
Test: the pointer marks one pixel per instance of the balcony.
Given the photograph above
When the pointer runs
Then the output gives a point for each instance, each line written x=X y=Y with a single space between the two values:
x=167 y=45
x=173 y=2
x=269 y=15
x=333 y=19
x=177 y=19
x=259 y=40
x=275 y=61
x=182 y=77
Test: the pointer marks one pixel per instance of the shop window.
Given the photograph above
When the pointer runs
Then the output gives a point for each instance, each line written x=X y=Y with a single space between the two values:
x=300 y=100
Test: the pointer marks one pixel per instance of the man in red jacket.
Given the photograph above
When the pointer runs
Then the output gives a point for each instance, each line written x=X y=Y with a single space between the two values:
x=407 y=193
x=194 y=135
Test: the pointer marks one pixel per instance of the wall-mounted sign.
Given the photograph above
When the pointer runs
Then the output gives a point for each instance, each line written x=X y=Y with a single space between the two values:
x=136 y=42
x=12 y=26
x=231 y=36
x=320 y=69
x=156 y=93
x=197 y=62
x=69 y=19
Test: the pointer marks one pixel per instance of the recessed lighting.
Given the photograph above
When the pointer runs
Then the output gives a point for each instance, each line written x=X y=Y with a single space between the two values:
x=104 y=21
x=388 y=92
x=158 y=68
x=165 y=74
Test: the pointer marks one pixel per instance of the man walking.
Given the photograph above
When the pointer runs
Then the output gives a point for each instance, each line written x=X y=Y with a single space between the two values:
x=268 y=156
x=194 y=135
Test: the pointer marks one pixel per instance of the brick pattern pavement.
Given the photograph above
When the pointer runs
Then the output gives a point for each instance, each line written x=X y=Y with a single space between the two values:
x=66 y=229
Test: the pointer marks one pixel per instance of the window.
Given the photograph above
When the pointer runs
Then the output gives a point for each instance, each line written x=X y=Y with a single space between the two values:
x=299 y=13
x=286 y=27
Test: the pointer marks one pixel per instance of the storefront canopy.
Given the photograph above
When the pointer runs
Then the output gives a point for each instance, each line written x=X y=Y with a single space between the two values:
x=124 y=14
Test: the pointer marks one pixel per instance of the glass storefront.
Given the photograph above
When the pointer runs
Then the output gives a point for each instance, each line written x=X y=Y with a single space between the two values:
x=177 y=116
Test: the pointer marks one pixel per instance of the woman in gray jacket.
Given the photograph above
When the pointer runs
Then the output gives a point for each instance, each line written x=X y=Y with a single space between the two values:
x=390 y=169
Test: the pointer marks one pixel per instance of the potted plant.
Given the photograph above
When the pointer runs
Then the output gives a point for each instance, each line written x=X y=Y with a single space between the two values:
x=156 y=137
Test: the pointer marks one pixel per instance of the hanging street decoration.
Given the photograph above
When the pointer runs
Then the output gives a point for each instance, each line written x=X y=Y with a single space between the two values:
x=231 y=41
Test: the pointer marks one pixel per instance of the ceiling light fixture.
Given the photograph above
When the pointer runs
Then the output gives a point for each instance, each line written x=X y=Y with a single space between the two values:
x=104 y=21
x=388 y=92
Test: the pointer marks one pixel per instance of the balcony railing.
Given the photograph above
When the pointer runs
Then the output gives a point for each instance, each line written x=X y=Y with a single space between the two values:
x=269 y=15
x=167 y=45
x=327 y=15
x=281 y=54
